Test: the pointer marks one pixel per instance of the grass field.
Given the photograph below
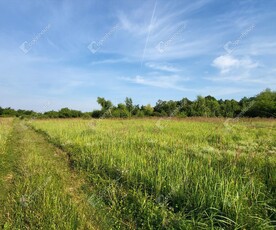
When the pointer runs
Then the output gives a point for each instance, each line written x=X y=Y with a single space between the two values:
x=141 y=173
x=5 y=132
x=38 y=190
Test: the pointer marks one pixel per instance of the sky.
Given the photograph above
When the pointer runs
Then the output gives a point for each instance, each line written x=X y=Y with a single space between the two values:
x=56 y=54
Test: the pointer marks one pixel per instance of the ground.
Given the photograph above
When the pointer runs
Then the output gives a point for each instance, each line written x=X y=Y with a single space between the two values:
x=138 y=174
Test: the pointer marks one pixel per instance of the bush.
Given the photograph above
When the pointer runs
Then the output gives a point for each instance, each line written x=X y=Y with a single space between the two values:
x=97 y=113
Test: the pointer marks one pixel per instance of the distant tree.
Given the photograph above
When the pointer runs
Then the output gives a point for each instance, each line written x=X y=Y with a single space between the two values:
x=122 y=106
x=9 y=112
x=129 y=105
x=97 y=114
x=167 y=108
x=147 y=110
x=235 y=107
x=64 y=113
x=116 y=112
x=185 y=107
x=264 y=105
x=105 y=104
x=160 y=106
x=51 y=114
x=199 y=107
x=226 y=109
x=76 y=113
x=244 y=102
x=171 y=108
x=213 y=108
x=140 y=113
x=136 y=109
x=121 y=111
x=86 y=115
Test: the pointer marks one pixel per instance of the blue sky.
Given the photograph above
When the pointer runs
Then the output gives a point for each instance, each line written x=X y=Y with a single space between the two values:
x=57 y=54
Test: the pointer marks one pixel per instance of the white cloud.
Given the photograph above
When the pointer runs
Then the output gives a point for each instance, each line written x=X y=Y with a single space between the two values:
x=162 y=66
x=166 y=82
x=112 y=61
x=226 y=63
x=242 y=71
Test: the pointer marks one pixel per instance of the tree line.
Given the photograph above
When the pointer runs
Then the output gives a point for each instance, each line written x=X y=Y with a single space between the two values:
x=261 y=105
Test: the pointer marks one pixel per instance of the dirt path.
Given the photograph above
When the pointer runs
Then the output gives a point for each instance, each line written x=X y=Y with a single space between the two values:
x=39 y=190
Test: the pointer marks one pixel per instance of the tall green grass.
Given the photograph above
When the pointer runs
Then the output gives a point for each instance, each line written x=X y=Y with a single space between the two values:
x=5 y=130
x=176 y=174
x=38 y=190
x=5 y=175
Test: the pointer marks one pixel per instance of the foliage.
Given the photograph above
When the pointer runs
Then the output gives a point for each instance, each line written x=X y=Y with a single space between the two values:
x=262 y=105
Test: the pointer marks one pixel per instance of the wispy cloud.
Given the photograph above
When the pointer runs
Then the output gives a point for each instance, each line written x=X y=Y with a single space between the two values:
x=266 y=80
x=112 y=61
x=166 y=82
x=167 y=21
x=162 y=66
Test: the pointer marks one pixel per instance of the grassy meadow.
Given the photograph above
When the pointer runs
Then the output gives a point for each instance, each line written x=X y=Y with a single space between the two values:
x=38 y=190
x=4 y=133
x=142 y=173
x=162 y=173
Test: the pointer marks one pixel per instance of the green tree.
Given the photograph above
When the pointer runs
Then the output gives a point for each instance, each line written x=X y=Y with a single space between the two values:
x=129 y=105
x=105 y=104
x=9 y=112
x=51 y=114
x=64 y=113
x=213 y=107
x=147 y=110
x=264 y=105
x=199 y=107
